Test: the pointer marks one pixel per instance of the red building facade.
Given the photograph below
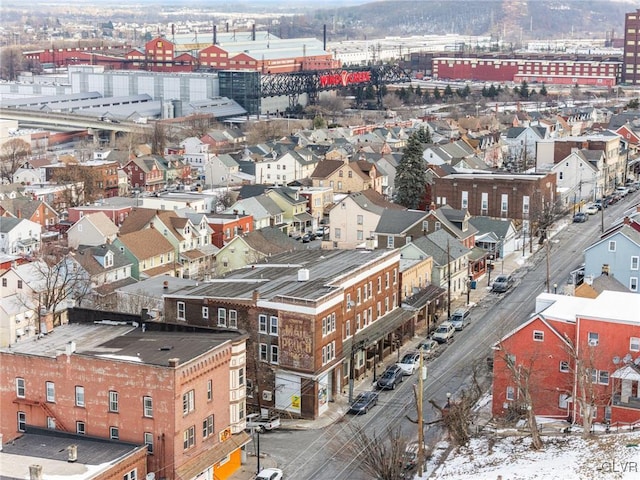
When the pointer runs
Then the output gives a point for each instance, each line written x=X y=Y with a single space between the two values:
x=573 y=358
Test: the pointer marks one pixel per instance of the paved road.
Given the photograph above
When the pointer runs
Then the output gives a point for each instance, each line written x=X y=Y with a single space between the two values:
x=316 y=454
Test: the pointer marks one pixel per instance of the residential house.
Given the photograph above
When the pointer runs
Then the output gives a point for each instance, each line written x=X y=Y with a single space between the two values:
x=397 y=228
x=177 y=201
x=366 y=207
x=616 y=254
x=195 y=152
x=149 y=252
x=319 y=201
x=19 y=236
x=305 y=357
x=176 y=171
x=450 y=261
x=217 y=141
x=222 y=171
x=264 y=211
x=496 y=236
x=579 y=356
x=345 y=176
x=294 y=208
x=449 y=153
x=283 y=167
x=145 y=372
x=32 y=209
x=93 y=229
x=580 y=177
x=115 y=213
x=456 y=222
x=521 y=145
x=227 y=226
x=146 y=174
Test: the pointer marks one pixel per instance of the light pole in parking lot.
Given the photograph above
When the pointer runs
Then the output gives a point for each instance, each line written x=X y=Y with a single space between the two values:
x=489 y=268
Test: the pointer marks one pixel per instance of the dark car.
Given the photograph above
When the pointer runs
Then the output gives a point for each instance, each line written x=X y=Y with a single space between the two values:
x=580 y=217
x=391 y=377
x=428 y=347
x=363 y=402
x=307 y=237
x=502 y=283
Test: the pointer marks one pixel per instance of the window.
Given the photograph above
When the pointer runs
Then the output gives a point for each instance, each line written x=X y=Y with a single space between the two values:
x=563 y=400
x=337 y=233
x=347 y=329
x=273 y=326
x=180 y=310
x=147 y=403
x=79 y=396
x=634 y=344
x=612 y=245
x=80 y=428
x=4 y=282
x=148 y=441
x=233 y=319
x=205 y=312
x=525 y=204
x=359 y=235
x=564 y=366
x=19 y=283
x=209 y=390
x=189 y=437
x=511 y=393
x=241 y=376
x=51 y=423
x=264 y=357
x=188 y=402
x=222 y=317
x=389 y=242
x=504 y=203
x=262 y=323
x=114 y=434
x=465 y=200
x=274 y=354
x=634 y=263
x=538 y=336
x=386 y=280
x=633 y=284
x=51 y=391
x=594 y=339
x=22 y=421
x=379 y=284
x=113 y=401
x=207 y=427
x=20 y=388
x=360 y=219
x=395 y=276
x=603 y=377
x=484 y=201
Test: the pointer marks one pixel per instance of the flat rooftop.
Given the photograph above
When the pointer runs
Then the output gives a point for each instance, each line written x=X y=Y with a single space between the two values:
x=125 y=342
x=48 y=448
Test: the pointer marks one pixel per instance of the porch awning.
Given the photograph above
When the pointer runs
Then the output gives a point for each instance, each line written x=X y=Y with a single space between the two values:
x=303 y=217
x=627 y=373
x=211 y=456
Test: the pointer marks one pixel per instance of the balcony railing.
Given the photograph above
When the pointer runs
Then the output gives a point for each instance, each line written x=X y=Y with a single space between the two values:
x=630 y=402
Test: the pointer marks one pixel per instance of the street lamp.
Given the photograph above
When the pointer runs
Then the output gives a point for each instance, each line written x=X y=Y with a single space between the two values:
x=555 y=288
x=448 y=400
x=489 y=268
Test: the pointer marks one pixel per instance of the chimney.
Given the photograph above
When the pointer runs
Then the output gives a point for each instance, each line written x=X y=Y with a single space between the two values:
x=35 y=472
x=253 y=33
x=72 y=450
x=70 y=348
x=173 y=362
x=255 y=296
x=324 y=37
x=165 y=284
x=215 y=34
x=627 y=221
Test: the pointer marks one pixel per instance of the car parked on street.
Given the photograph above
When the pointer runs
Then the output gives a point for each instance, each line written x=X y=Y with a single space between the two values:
x=460 y=318
x=363 y=402
x=591 y=209
x=390 y=379
x=502 y=283
x=428 y=347
x=580 y=217
x=444 y=333
x=307 y=237
x=270 y=474
x=409 y=363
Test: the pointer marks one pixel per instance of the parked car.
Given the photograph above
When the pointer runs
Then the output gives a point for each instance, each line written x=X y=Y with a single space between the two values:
x=502 y=283
x=261 y=425
x=444 y=332
x=320 y=232
x=409 y=363
x=599 y=204
x=460 y=318
x=580 y=217
x=622 y=191
x=307 y=237
x=591 y=209
x=428 y=347
x=363 y=402
x=391 y=377
x=270 y=474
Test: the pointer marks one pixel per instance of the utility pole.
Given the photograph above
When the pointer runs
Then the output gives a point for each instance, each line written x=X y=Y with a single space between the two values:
x=422 y=376
x=546 y=240
x=448 y=282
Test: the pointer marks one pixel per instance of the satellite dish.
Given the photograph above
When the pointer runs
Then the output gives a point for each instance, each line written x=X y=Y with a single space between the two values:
x=627 y=358
x=637 y=361
x=616 y=360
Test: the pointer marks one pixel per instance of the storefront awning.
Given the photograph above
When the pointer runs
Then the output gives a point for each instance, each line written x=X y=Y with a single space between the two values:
x=211 y=456
x=377 y=330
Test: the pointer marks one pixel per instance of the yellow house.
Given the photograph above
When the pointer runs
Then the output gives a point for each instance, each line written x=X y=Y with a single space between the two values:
x=344 y=176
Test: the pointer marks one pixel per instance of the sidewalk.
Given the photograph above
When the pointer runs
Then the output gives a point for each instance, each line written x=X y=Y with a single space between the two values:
x=249 y=468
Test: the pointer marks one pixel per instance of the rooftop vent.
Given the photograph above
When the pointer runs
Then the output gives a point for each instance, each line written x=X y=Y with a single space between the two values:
x=303 y=275
x=72 y=450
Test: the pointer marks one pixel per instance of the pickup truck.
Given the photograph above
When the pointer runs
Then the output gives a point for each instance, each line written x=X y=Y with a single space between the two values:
x=260 y=424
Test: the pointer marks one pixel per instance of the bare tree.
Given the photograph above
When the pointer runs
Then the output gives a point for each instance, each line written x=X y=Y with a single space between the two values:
x=381 y=456
x=158 y=138
x=260 y=132
x=527 y=380
x=81 y=182
x=12 y=156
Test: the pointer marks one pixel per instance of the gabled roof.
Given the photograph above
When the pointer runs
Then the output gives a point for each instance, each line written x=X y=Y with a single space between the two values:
x=435 y=244
x=101 y=223
x=271 y=241
x=325 y=168
x=9 y=223
x=399 y=221
x=146 y=243
x=491 y=225
x=372 y=201
x=21 y=207
x=536 y=318
x=625 y=230
x=137 y=219
x=86 y=257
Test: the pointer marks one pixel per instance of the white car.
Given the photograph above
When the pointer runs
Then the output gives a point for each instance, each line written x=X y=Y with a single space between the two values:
x=269 y=474
x=591 y=209
x=409 y=363
x=444 y=333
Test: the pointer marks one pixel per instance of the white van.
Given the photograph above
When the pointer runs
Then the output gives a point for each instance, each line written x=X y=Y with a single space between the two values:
x=460 y=318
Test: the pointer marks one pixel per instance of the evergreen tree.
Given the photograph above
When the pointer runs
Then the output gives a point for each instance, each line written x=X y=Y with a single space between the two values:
x=411 y=176
x=524 y=89
x=436 y=93
x=423 y=135
x=493 y=92
x=485 y=91
x=448 y=92
x=543 y=90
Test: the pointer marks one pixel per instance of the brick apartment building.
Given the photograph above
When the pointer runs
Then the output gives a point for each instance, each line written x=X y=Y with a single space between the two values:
x=520 y=197
x=309 y=314
x=631 y=68
x=604 y=333
x=181 y=392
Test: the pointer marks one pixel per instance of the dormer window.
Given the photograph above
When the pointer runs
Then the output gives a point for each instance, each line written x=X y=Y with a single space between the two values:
x=108 y=260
